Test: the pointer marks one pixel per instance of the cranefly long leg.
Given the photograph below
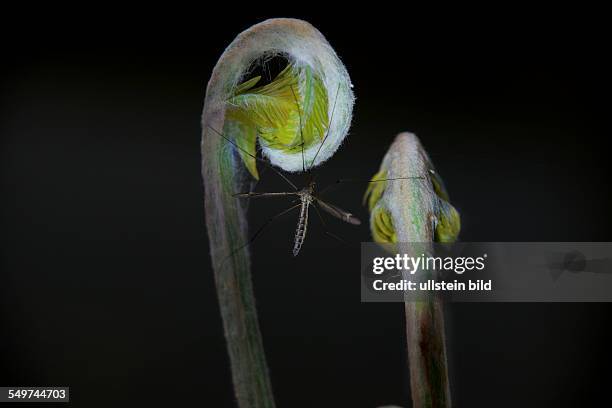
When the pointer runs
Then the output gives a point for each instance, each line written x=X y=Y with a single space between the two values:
x=254 y=194
x=340 y=181
x=260 y=230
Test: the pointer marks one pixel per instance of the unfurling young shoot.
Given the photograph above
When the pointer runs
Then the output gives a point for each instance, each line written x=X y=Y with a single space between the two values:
x=416 y=211
x=290 y=115
x=291 y=121
x=410 y=210
x=279 y=120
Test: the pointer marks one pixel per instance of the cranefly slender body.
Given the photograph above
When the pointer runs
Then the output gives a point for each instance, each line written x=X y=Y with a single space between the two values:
x=300 y=232
x=307 y=198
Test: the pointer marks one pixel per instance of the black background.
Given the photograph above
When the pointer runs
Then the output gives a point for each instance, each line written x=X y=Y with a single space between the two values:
x=106 y=284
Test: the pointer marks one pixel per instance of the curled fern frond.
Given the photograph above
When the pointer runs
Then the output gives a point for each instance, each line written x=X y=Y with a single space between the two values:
x=382 y=228
x=422 y=205
x=289 y=114
x=375 y=189
x=241 y=113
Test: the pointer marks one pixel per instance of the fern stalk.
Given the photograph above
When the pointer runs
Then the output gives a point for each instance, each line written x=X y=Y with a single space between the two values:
x=226 y=171
x=416 y=211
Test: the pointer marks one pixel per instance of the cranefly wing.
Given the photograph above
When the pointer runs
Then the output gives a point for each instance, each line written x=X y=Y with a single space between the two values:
x=337 y=212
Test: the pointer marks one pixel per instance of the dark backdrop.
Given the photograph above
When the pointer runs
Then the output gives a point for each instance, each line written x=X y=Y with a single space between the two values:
x=105 y=280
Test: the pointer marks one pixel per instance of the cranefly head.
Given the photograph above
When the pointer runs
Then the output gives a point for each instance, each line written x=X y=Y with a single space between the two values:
x=412 y=204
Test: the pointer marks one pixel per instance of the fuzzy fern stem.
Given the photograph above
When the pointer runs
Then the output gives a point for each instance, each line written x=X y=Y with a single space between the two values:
x=237 y=114
x=416 y=212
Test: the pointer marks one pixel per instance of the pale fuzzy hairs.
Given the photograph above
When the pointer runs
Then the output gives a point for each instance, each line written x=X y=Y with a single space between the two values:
x=302 y=45
x=407 y=158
